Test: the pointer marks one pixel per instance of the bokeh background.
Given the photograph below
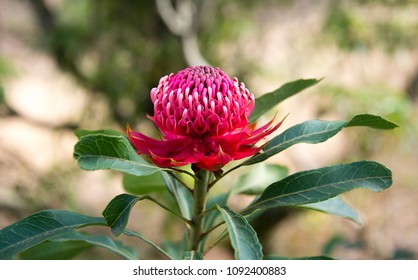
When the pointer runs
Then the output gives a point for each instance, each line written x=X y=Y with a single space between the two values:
x=68 y=64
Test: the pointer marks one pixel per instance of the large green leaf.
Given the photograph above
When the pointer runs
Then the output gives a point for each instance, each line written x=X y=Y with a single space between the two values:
x=141 y=185
x=101 y=151
x=181 y=194
x=67 y=245
x=322 y=184
x=80 y=133
x=256 y=180
x=267 y=101
x=334 y=206
x=48 y=250
x=313 y=132
x=243 y=237
x=103 y=241
x=39 y=227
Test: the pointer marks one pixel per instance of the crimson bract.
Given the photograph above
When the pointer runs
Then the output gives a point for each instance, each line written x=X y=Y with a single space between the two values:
x=203 y=116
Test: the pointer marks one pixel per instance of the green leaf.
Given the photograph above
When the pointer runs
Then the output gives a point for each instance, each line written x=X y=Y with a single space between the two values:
x=273 y=257
x=99 y=151
x=68 y=245
x=39 y=227
x=177 y=248
x=106 y=242
x=80 y=133
x=243 y=237
x=211 y=216
x=140 y=185
x=48 y=250
x=267 y=101
x=335 y=206
x=193 y=255
x=258 y=178
x=313 y=132
x=118 y=210
x=147 y=241
x=180 y=193
x=324 y=183
x=372 y=121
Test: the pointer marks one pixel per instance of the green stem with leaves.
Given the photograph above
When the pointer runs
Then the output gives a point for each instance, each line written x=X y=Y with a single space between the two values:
x=200 y=191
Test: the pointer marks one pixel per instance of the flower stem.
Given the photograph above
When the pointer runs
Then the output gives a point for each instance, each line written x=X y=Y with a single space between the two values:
x=199 y=200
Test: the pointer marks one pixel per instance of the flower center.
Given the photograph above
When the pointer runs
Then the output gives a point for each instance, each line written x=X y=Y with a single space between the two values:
x=200 y=101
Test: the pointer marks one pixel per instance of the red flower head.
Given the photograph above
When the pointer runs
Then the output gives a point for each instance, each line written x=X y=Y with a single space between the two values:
x=203 y=115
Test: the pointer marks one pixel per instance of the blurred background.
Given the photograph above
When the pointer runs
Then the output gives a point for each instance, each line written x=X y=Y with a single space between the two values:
x=68 y=64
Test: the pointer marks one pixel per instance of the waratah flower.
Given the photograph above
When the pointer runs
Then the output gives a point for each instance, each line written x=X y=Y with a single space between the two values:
x=203 y=116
